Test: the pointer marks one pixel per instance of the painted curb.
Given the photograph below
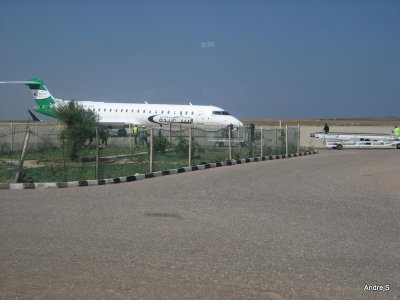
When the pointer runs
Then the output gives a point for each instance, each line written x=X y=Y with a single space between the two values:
x=81 y=183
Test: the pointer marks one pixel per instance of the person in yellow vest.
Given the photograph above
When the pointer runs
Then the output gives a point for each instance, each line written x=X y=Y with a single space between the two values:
x=135 y=133
x=396 y=131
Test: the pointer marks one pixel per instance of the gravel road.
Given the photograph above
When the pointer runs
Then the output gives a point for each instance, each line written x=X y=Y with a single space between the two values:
x=315 y=227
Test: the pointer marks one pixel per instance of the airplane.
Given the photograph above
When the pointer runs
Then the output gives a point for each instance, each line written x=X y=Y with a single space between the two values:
x=122 y=114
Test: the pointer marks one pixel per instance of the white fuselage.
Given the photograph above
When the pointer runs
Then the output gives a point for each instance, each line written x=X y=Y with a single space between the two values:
x=153 y=114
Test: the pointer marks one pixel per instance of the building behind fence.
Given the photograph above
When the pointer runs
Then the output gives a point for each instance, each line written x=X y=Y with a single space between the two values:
x=156 y=149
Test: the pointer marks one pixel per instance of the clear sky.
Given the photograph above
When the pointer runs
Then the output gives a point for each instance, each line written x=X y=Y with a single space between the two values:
x=275 y=59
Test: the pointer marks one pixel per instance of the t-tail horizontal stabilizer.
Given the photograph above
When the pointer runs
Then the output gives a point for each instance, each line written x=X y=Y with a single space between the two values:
x=22 y=82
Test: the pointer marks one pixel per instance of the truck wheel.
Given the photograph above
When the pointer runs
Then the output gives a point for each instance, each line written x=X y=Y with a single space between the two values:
x=339 y=147
x=398 y=146
x=121 y=132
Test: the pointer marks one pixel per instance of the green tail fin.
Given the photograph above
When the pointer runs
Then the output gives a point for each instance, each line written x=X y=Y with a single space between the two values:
x=44 y=100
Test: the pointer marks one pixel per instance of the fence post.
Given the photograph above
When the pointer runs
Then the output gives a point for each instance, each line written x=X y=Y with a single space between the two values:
x=59 y=132
x=262 y=141
x=286 y=139
x=12 y=138
x=238 y=145
x=151 y=150
x=230 y=142
x=12 y=144
x=298 y=138
x=130 y=136
x=21 y=161
x=170 y=128
x=97 y=152
x=190 y=146
x=37 y=136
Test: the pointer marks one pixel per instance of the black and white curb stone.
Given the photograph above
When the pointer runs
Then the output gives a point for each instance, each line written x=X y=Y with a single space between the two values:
x=47 y=185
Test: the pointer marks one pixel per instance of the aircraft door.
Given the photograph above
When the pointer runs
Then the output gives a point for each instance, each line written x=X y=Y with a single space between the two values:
x=200 y=118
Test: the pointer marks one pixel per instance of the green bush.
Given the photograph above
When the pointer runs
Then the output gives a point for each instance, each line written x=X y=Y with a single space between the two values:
x=160 y=144
x=182 y=147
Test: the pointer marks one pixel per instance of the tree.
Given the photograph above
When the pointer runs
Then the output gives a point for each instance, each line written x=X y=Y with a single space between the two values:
x=80 y=126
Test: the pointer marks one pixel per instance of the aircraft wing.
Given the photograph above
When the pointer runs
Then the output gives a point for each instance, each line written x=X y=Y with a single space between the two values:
x=113 y=122
x=34 y=117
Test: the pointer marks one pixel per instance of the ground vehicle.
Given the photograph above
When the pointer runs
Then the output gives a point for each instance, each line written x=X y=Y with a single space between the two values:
x=339 y=141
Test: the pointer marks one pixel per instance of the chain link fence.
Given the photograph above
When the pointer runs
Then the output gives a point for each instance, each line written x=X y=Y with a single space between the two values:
x=47 y=160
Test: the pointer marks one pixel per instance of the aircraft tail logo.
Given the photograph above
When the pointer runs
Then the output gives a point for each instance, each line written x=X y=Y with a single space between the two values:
x=39 y=91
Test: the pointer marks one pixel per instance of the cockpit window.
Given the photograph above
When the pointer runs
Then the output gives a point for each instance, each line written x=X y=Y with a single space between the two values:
x=220 y=113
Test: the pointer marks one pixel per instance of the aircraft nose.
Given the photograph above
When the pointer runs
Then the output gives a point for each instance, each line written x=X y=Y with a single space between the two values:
x=237 y=123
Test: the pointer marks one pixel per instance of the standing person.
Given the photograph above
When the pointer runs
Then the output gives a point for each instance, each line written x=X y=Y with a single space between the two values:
x=160 y=130
x=143 y=136
x=135 y=133
x=396 y=131
x=104 y=136
x=326 y=128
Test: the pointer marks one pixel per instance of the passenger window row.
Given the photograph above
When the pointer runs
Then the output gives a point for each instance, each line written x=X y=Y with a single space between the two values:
x=144 y=111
